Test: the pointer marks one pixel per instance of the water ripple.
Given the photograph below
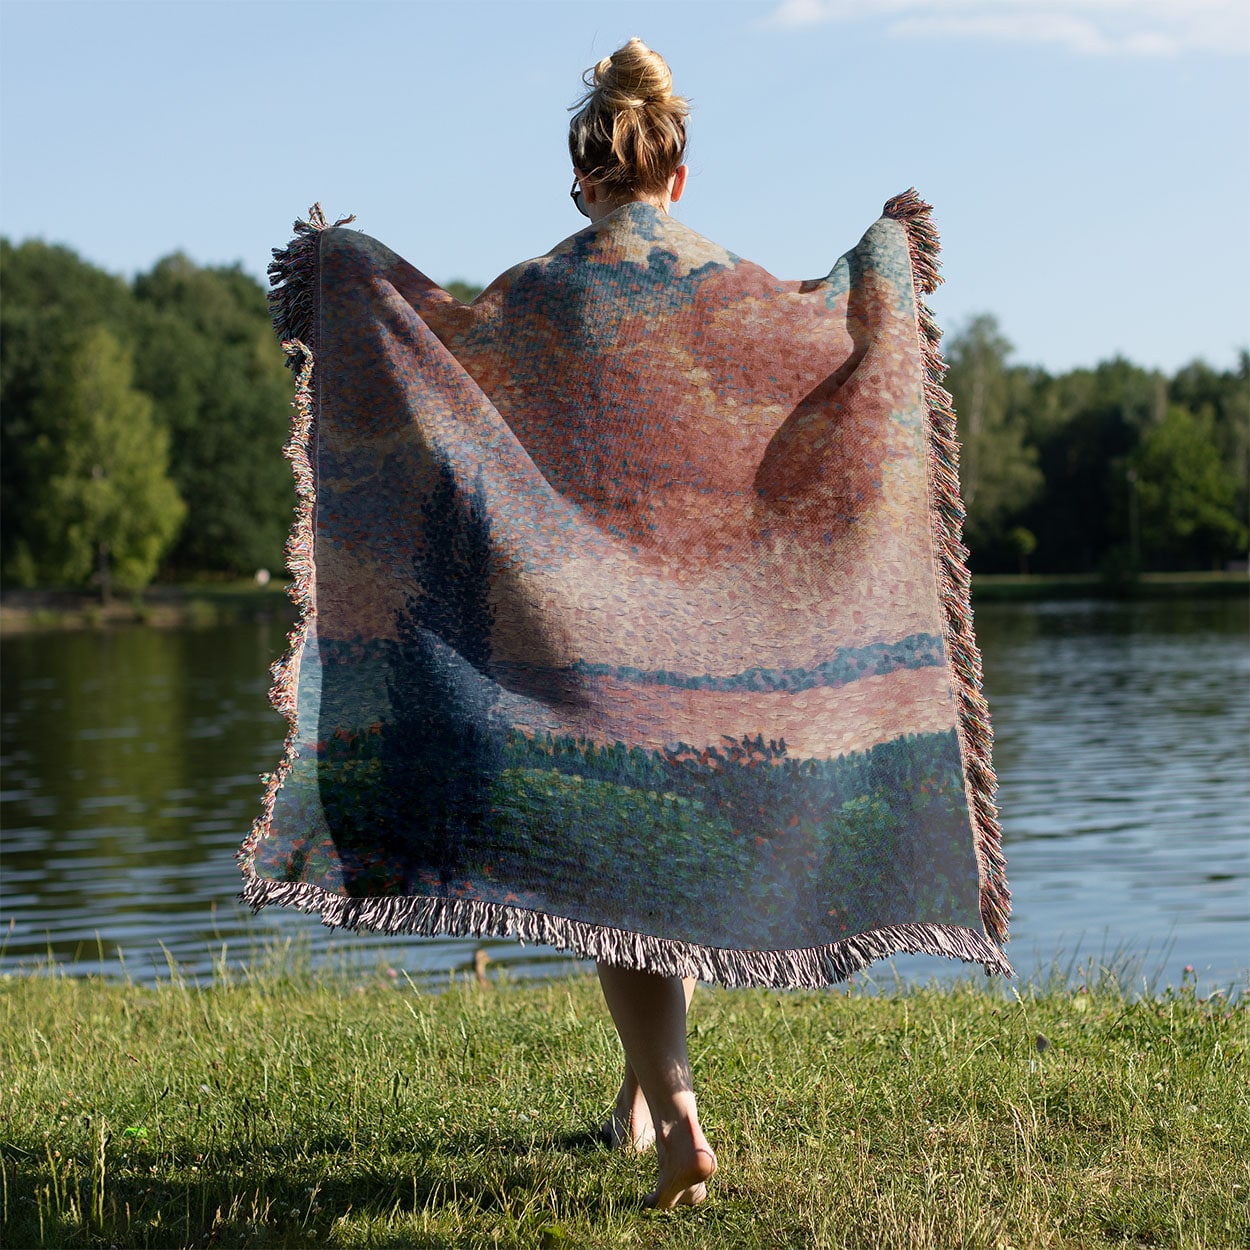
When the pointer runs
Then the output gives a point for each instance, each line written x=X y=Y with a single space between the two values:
x=132 y=759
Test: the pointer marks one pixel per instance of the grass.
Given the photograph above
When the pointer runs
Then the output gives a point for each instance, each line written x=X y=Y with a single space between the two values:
x=279 y=1107
x=1030 y=587
x=165 y=606
x=209 y=602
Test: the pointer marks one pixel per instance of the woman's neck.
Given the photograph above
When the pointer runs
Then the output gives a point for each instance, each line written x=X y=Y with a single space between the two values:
x=601 y=208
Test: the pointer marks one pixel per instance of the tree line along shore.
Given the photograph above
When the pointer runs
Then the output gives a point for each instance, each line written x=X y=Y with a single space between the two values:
x=170 y=605
x=143 y=422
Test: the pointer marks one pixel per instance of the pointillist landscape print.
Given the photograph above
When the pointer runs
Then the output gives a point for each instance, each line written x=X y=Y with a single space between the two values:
x=626 y=603
x=802 y=852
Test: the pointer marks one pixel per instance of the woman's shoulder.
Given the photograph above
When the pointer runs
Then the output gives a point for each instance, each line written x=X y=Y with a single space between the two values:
x=637 y=239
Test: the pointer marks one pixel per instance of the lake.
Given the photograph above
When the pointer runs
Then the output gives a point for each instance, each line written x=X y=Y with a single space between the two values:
x=131 y=761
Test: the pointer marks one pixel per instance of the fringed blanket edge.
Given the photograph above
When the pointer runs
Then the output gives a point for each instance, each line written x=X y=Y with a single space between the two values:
x=809 y=968
x=954 y=581
x=293 y=274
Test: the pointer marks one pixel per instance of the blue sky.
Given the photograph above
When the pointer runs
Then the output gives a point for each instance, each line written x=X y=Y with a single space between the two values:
x=1088 y=159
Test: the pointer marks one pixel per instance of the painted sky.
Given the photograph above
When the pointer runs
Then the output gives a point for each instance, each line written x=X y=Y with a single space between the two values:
x=1088 y=159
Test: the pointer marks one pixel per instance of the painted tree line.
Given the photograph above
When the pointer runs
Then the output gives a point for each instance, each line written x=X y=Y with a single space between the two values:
x=142 y=423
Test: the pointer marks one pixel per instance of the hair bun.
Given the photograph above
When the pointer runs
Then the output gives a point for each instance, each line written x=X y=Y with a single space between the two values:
x=634 y=76
x=629 y=131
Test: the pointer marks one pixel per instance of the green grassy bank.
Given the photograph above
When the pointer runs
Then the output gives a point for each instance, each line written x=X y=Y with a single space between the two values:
x=213 y=603
x=1011 y=587
x=163 y=606
x=285 y=1109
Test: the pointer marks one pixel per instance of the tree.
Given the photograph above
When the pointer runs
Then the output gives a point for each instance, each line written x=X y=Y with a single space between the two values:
x=107 y=507
x=203 y=350
x=1086 y=424
x=1024 y=543
x=51 y=297
x=465 y=292
x=1187 y=493
x=998 y=468
x=208 y=358
x=1223 y=398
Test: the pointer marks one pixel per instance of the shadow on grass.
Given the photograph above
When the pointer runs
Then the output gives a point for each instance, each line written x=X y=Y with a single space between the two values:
x=279 y=1195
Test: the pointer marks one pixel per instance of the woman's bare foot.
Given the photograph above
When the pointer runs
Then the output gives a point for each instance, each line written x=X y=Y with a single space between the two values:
x=649 y=1011
x=686 y=1165
x=629 y=1126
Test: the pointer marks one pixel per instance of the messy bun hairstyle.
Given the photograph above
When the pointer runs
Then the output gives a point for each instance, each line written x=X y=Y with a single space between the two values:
x=629 y=131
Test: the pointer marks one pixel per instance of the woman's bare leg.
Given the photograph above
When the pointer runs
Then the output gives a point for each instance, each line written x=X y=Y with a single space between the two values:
x=649 y=1012
x=629 y=1126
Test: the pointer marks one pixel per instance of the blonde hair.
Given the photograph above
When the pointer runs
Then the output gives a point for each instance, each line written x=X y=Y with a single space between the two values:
x=629 y=131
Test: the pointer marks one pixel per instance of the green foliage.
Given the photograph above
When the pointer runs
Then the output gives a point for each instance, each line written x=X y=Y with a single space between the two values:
x=1225 y=397
x=41 y=278
x=1024 y=543
x=208 y=358
x=1053 y=457
x=51 y=300
x=998 y=468
x=1050 y=455
x=218 y=396
x=107 y=507
x=1222 y=400
x=465 y=292
x=1187 y=491
x=1083 y=515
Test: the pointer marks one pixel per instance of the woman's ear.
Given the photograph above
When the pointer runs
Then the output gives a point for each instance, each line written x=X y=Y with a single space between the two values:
x=588 y=186
x=678 y=184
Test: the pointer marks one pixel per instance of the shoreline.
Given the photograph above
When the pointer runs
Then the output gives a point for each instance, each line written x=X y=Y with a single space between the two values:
x=173 y=606
x=1037 y=587
x=204 y=604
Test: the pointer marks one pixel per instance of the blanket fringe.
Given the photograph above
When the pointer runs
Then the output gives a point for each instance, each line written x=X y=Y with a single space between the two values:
x=954 y=582
x=811 y=968
x=293 y=276
x=292 y=303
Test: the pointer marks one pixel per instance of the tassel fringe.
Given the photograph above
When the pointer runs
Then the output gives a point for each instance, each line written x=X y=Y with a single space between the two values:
x=789 y=969
x=292 y=303
x=293 y=276
x=954 y=583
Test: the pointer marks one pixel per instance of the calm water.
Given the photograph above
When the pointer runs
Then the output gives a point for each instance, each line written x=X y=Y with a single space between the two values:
x=131 y=758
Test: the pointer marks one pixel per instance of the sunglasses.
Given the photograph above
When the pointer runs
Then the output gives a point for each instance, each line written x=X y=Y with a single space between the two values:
x=576 y=196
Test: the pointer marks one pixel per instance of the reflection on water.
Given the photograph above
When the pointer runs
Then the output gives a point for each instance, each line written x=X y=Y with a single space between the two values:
x=1122 y=746
x=131 y=759
x=131 y=762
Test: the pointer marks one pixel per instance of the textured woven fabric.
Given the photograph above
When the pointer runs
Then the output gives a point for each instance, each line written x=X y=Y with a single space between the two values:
x=635 y=618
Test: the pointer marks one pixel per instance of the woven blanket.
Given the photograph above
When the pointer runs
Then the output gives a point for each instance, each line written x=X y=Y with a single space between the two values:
x=634 y=615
